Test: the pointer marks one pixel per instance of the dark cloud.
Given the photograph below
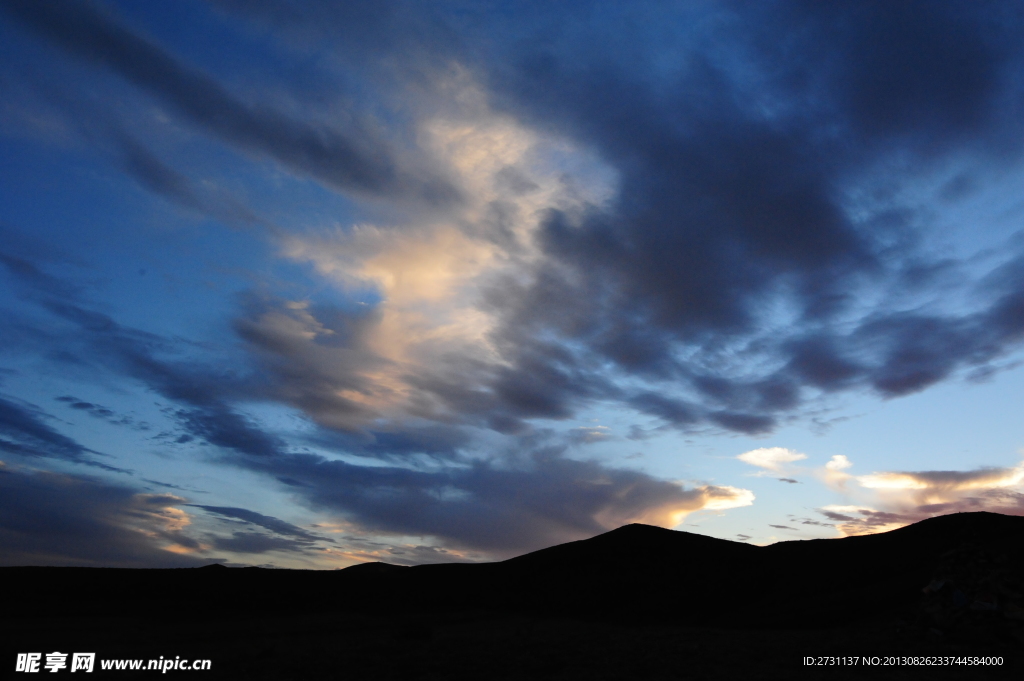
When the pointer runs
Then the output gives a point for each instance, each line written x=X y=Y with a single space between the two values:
x=202 y=392
x=931 y=71
x=501 y=507
x=169 y=485
x=24 y=432
x=25 y=270
x=88 y=407
x=504 y=506
x=783 y=527
x=55 y=519
x=354 y=159
x=735 y=178
x=420 y=555
x=103 y=413
x=360 y=30
x=789 y=480
x=222 y=426
x=155 y=175
x=734 y=198
x=255 y=542
x=265 y=521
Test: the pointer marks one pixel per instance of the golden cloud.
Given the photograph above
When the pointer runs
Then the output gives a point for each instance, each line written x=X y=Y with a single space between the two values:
x=893 y=499
x=430 y=270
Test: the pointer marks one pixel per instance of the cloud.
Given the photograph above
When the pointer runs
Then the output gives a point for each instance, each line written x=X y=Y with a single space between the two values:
x=589 y=434
x=717 y=273
x=709 y=260
x=58 y=519
x=24 y=433
x=425 y=347
x=943 y=482
x=502 y=507
x=168 y=485
x=528 y=496
x=25 y=270
x=893 y=499
x=275 y=525
x=774 y=459
x=155 y=175
x=711 y=235
x=838 y=462
x=256 y=543
x=353 y=159
x=100 y=412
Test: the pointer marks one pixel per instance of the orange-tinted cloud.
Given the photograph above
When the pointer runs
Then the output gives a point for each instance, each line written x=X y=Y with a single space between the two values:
x=892 y=499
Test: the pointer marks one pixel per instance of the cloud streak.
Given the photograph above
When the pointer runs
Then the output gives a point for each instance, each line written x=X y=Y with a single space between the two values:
x=275 y=525
x=57 y=519
x=353 y=160
x=24 y=433
x=891 y=499
x=498 y=508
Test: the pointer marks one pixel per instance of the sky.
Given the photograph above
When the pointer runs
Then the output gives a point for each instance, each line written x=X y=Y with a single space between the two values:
x=312 y=284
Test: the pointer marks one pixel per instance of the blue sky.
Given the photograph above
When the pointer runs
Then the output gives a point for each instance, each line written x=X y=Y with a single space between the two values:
x=312 y=284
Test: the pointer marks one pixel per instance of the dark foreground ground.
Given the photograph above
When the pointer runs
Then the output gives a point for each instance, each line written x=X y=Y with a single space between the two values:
x=635 y=603
x=483 y=646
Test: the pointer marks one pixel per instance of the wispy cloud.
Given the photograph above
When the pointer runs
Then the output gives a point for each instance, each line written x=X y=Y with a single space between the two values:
x=267 y=522
x=891 y=499
x=25 y=433
x=354 y=159
x=59 y=519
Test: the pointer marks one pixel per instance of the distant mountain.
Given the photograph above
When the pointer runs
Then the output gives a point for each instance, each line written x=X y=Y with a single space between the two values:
x=643 y=572
x=635 y=573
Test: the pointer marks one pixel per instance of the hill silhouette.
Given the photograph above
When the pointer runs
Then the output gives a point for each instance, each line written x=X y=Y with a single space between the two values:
x=643 y=572
x=955 y=580
x=633 y=572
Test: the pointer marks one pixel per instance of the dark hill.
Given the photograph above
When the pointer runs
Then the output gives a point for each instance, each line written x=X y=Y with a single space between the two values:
x=636 y=572
x=636 y=602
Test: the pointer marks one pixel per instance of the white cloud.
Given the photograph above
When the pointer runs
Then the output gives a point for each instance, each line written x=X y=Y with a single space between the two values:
x=772 y=459
x=838 y=463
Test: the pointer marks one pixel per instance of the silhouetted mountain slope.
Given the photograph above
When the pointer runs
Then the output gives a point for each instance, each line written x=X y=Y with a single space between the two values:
x=837 y=580
x=637 y=602
x=634 y=573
